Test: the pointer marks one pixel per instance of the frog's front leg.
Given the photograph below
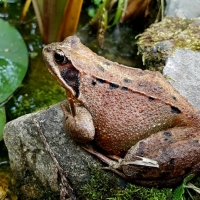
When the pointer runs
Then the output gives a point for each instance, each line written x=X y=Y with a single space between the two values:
x=79 y=124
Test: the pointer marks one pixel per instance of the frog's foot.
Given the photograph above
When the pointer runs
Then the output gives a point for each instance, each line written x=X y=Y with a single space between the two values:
x=121 y=162
x=115 y=166
x=138 y=161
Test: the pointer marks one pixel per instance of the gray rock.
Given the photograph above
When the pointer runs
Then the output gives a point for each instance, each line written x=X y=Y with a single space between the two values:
x=172 y=46
x=31 y=163
x=160 y=40
x=183 y=70
x=183 y=8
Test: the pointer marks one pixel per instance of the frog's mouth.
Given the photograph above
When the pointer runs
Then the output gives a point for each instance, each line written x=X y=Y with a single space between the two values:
x=62 y=69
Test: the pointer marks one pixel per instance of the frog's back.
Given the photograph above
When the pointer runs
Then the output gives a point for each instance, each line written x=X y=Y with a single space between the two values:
x=143 y=82
x=127 y=104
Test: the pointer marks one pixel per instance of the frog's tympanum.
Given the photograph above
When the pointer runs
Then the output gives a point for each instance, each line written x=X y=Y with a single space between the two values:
x=127 y=112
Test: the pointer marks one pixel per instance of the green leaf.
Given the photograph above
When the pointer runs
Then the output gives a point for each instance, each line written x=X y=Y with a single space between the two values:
x=13 y=60
x=2 y=121
x=188 y=178
x=118 y=12
x=180 y=190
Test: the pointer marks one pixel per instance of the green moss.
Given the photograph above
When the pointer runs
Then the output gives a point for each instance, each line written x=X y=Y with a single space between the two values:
x=138 y=192
x=104 y=186
x=101 y=185
x=161 y=39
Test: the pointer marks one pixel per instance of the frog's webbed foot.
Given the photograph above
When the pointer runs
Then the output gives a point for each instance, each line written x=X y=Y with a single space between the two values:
x=146 y=162
x=138 y=161
x=121 y=162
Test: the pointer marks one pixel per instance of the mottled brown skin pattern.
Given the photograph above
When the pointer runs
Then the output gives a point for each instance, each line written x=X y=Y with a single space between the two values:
x=133 y=108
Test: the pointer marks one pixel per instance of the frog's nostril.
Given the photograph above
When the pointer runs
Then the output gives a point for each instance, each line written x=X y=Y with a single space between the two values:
x=48 y=49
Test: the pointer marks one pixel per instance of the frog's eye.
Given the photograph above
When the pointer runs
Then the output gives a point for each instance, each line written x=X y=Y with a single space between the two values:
x=60 y=57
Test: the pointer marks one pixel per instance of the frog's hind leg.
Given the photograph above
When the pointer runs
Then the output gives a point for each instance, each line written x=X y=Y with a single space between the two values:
x=115 y=162
x=119 y=161
x=177 y=151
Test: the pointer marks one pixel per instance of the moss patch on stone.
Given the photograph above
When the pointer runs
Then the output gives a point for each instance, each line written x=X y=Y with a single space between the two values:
x=160 y=40
x=103 y=186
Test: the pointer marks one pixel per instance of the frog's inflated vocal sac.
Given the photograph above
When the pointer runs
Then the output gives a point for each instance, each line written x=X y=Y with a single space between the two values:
x=129 y=112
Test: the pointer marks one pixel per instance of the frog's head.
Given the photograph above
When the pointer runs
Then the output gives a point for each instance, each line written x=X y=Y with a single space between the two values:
x=57 y=57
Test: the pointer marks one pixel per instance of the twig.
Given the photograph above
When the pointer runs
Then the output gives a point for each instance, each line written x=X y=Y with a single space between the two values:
x=65 y=187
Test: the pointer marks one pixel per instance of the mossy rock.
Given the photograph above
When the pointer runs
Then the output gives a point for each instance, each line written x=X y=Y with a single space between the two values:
x=105 y=186
x=160 y=40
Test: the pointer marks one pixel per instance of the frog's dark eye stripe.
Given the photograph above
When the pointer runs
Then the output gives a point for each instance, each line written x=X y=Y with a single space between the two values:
x=71 y=77
x=60 y=57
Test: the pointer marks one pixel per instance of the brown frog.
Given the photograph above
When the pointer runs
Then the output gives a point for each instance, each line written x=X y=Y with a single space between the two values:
x=129 y=112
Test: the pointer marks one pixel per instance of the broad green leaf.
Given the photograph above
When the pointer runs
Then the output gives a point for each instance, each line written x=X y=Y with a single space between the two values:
x=13 y=60
x=2 y=121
